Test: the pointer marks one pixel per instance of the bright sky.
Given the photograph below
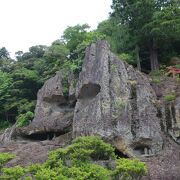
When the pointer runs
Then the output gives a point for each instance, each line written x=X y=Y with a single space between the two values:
x=25 y=23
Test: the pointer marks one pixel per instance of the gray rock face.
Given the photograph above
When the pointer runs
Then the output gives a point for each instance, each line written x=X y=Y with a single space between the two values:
x=169 y=111
x=171 y=119
x=117 y=102
x=54 y=113
x=7 y=136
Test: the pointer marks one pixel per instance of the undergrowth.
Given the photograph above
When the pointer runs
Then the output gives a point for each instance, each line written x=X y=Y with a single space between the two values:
x=77 y=162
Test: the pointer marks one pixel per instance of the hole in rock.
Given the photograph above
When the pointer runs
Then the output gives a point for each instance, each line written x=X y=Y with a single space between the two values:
x=73 y=104
x=120 y=154
x=142 y=150
x=43 y=136
x=89 y=91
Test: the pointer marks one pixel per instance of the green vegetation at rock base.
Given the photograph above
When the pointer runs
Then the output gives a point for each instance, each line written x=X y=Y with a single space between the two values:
x=78 y=161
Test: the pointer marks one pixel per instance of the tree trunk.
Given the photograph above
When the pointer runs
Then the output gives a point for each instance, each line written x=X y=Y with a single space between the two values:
x=154 y=56
x=7 y=116
x=138 y=58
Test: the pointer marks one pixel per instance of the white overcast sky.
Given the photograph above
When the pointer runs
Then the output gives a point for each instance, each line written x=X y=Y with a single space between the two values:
x=25 y=23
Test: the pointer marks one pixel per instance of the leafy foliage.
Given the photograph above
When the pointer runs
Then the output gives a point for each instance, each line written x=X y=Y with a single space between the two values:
x=152 y=27
x=4 y=125
x=126 y=169
x=170 y=97
x=77 y=161
x=4 y=158
x=24 y=119
x=13 y=173
x=5 y=84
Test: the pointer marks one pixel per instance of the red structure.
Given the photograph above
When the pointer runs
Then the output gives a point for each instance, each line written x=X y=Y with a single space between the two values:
x=173 y=70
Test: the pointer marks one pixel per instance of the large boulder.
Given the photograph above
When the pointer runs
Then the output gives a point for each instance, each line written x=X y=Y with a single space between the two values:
x=117 y=102
x=53 y=113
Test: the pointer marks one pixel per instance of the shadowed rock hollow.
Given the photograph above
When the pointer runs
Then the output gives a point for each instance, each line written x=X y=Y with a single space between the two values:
x=115 y=101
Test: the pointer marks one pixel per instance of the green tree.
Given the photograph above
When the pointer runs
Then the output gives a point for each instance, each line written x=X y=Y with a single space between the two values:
x=119 y=38
x=140 y=16
x=38 y=51
x=4 y=53
x=73 y=36
x=76 y=39
x=5 y=85
x=18 y=55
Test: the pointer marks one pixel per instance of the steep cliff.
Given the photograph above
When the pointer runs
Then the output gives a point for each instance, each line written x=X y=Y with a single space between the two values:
x=115 y=101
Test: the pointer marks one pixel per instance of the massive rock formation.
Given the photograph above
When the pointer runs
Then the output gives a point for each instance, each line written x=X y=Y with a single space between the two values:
x=53 y=114
x=115 y=101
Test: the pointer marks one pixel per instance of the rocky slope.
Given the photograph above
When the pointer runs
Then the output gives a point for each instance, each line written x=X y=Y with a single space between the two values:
x=110 y=99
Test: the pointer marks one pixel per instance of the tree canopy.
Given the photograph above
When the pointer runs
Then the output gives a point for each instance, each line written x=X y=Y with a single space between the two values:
x=150 y=23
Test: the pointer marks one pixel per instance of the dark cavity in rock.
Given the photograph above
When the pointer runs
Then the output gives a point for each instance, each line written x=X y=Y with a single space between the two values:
x=120 y=154
x=43 y=136
x=89 y=91
x=142 y=150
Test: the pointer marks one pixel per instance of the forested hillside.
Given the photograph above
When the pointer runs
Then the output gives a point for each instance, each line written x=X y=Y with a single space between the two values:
x=145 y=33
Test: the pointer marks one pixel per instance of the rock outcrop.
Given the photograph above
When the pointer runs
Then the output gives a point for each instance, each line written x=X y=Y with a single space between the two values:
x=115 y=101
x=169 y=111
x=53 y=114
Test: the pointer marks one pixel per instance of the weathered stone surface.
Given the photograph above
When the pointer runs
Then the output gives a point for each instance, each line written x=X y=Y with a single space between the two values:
x=7 y=135
x=115 y=100
x=27 y=152
x=169 y=111
x=54 y=113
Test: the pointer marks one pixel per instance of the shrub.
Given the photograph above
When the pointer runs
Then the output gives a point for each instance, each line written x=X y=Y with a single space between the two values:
x=129 y=169
x=14 y=173
x=24 y=119
x=87 y=171
x=4 y=158
x=128 y=58
x=170 y=97
x=100 y=149
x=46 y=174
x=77 y=162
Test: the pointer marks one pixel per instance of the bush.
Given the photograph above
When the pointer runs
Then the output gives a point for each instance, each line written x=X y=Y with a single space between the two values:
x=24 y=119
x=4 y=158
x=14 y=173
x=77 y=162
x=24 y=106
x=129 y=169
x=170 y=97
x=128 y=58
